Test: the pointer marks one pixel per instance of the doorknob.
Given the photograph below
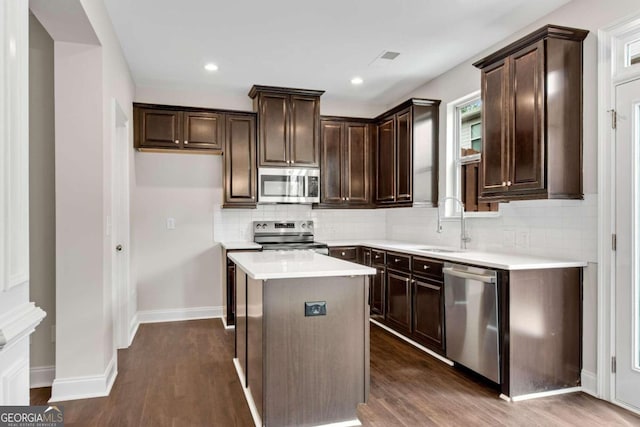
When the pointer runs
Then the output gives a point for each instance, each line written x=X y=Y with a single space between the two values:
x=119 y=248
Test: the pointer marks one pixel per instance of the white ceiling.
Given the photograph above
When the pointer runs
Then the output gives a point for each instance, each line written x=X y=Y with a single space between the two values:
x=311 y=44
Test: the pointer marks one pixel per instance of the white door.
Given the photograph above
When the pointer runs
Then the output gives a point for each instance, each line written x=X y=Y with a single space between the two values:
x=122 y=295
x=627 y=269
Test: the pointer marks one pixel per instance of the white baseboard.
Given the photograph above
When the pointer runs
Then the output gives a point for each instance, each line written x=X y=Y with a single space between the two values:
x=133 y=328
x=179 y=314
x=85 y=387
x=224 y=323
x=544 y=394
x=42 y=376
x=247 y=394
x=589 y=383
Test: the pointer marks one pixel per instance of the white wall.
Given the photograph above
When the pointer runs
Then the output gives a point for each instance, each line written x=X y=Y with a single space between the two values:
x=566 y=229
x=90 y=72
x=42 y=219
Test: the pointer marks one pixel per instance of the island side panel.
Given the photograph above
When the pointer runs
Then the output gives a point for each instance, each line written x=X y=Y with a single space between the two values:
x=314 y=366
x=241 y=322
x=545 y=326
x=255 y=342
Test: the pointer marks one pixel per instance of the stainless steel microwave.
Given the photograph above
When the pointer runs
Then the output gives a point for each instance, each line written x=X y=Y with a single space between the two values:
x=288 y=185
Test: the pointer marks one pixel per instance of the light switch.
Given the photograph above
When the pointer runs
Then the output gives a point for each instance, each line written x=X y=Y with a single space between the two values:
x=171 y=223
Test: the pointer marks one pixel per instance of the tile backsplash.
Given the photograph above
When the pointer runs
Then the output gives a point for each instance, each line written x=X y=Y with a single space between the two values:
x=552 y=228
x=330 y=224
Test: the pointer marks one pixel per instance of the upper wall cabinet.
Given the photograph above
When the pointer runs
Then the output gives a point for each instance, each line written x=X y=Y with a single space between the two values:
x=240 y=173
x=345 y=162
x=532 y=118
x=288 y=126
x=407 y=146
x=160 y=127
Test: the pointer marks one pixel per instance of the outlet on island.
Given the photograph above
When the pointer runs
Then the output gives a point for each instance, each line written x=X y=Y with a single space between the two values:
x=315 y=308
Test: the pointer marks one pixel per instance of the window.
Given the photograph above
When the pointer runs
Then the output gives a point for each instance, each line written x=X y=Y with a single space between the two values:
x=464 y=147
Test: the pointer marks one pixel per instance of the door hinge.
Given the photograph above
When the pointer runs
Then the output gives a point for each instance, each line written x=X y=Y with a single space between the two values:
x=614 y=242
x=613 y=364
x=614 y=118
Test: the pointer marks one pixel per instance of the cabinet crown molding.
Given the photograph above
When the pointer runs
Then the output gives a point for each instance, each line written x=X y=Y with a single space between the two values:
x=548 y=31
x=256 y=89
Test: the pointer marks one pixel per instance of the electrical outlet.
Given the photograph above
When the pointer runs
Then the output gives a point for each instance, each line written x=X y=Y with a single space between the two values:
x=315 y=308
x=522 y=239
x=171 y=223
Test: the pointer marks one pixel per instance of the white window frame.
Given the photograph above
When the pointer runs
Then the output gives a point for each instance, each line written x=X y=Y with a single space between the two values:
x=453 y=185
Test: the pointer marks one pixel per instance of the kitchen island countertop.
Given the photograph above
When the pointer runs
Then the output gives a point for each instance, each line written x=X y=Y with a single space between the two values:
x=295 y=264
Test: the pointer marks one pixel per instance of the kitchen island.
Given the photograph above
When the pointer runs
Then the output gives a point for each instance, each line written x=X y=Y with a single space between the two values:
x=302 y=337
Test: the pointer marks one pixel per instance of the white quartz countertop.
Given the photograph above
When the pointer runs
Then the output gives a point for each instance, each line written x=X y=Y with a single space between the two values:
x=485 y=259
x=239 y=245
x=295 y=264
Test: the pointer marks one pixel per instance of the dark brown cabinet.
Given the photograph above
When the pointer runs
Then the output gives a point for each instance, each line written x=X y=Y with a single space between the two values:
x=345 y=163
x=377 y=290
x=410 y=127
x=532 y=118
x=398 y=313
x=240 y=173
x=177 y=128
x=288 y=126
x=347 y=253
x=428 y=313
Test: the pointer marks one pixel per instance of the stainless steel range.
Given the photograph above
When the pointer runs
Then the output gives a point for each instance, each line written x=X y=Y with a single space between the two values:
x=286 y=236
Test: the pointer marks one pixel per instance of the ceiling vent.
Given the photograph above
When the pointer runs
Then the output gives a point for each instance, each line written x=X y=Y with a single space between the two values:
x=383 y=59
x=389 y=55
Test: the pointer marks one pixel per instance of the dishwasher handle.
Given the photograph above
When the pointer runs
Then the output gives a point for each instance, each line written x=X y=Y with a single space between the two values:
x=485 y=278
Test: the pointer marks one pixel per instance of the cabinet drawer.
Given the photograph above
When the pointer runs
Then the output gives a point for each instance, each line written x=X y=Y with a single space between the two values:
x=427 y=267
x=378 y=257
x=398 y=261
x=346 y=253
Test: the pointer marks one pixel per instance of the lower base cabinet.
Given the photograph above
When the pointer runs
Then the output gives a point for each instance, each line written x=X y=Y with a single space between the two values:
x=399 y=301
x=428 y=313
x=377 y=291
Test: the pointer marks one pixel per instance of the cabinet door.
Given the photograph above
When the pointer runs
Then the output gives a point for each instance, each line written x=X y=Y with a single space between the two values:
x=495 y=119
x=331 y=188
x=404 y=162
x=399 y=301
x=356 y=161
x=527 y=119
x=385 y=162
x=159 y=128
x=274 y=129
x=304 y=134
x=202 y=131
x=428 y=313
x=239 y=161
x=377 y=292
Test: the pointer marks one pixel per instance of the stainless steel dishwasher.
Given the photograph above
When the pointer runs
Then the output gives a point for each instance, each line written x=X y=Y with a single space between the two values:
x=471 y=318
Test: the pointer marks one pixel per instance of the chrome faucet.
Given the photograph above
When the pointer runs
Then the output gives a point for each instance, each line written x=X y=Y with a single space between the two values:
x=463 y=229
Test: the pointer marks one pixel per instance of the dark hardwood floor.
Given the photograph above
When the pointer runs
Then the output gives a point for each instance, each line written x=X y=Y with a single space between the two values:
x=181 y=374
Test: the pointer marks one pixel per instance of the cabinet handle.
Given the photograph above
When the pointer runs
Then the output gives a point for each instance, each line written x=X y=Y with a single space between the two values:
x=504 y=183
x=177 y=141
x=508 y=183
x=343 y=254
x=347 y=198
x=186 y=142
x=407 y=280
x=426 y=267
x=396 y=260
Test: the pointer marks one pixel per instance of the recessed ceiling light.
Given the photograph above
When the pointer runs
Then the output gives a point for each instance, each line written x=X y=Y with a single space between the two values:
x=211 y=67
x=357 y=81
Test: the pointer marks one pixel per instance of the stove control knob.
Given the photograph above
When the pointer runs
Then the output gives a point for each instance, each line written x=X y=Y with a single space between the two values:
x=310 y=225
x=258 y=226
x=264 y=225
x=304 y=225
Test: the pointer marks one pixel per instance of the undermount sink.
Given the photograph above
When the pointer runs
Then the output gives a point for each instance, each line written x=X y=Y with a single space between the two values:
x=439 y=250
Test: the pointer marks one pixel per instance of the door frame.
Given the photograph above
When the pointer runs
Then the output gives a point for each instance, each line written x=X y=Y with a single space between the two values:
x=611 y=73
x=121 y=289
